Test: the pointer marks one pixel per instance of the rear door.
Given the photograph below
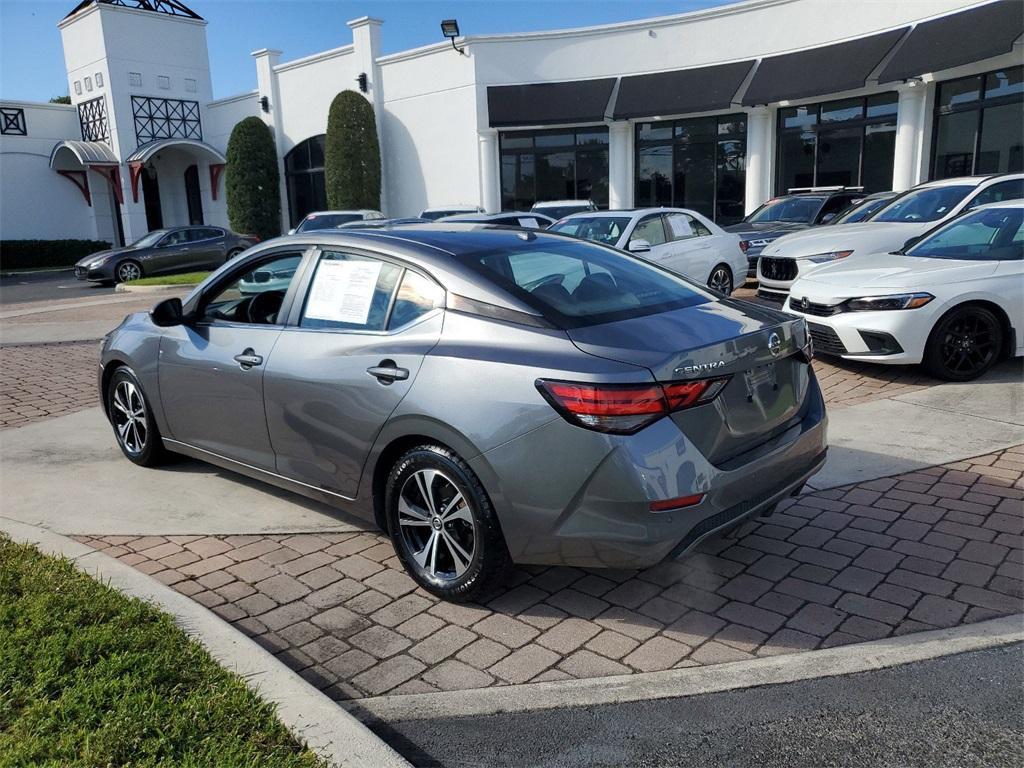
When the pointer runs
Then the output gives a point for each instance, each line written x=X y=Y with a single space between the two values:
x=354 y=345
x=207 y=248
x=171 y=254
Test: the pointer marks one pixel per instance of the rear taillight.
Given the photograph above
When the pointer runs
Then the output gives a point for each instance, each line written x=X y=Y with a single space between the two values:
x=744 y=245
x=624 y=409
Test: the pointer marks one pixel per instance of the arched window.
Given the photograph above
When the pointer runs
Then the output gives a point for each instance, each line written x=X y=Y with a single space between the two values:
x=304 y=176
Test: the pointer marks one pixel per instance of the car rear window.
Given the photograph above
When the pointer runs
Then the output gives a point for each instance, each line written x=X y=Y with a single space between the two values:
x=575 y=283
x=318 y=221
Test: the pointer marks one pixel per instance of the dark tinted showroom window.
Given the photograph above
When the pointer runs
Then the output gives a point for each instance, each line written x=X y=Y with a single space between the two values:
x=563 y=164
x=979 y=124
x=304 y=178
x=349 y=292
x=575 y=284
x=849 y=143
x=696 y=163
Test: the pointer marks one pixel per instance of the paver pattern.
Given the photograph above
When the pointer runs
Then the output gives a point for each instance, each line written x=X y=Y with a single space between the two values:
x=934 y=548
x=40 y=381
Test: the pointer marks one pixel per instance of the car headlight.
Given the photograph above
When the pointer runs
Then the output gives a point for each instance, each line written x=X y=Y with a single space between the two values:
x=823 y=258
x=97 y=262
x=888 y=303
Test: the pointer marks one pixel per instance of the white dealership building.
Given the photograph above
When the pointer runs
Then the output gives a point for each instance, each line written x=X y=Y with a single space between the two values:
x=714 y=110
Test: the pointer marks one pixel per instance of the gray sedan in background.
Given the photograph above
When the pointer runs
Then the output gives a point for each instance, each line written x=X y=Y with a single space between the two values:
x=163 y=251
x=486 y=395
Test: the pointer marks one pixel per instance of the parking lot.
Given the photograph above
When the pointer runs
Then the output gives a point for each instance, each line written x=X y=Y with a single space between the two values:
x=936 y=547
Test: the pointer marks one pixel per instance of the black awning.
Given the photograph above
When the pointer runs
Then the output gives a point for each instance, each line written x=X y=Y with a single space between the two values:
x=819 y=71
x=578 y=101
x=681 y=91
x=960 y=38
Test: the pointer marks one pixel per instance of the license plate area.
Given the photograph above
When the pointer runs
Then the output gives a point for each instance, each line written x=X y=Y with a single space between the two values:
x=760 y=377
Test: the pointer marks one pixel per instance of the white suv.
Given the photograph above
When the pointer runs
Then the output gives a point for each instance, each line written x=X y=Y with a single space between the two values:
x=907 y=217
x=678 y=239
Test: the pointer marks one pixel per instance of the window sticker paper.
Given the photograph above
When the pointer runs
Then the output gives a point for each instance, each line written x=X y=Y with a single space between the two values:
x=343 y=291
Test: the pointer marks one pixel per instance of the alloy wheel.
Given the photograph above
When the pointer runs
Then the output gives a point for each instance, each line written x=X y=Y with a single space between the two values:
x=968 y=344
x=720 y=280
x=129 y=416
x=128 y=271
x=437 y=524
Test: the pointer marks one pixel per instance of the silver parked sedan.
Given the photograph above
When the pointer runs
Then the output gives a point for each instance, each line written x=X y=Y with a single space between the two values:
x=486 y=395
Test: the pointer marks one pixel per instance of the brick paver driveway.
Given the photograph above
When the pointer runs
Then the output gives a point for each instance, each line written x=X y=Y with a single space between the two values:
x=929 y=549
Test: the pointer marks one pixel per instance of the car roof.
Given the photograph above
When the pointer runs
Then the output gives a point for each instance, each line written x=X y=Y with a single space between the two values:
x=1002 y=204
x=627 y=212
x=467 y=207
x=331 y=213
x=553 y=203
x=971 y=181
x=490 y=216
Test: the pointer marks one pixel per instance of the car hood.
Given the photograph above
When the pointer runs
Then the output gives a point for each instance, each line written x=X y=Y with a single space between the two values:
x=724 y=333
x=101 y=254
x=860 y=238
x=880 y=272
x=768 y=230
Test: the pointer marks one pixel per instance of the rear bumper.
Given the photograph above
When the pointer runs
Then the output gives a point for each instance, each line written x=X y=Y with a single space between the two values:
x=568 y=496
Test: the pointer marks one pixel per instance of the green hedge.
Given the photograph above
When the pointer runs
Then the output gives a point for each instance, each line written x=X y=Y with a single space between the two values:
x=351 y=154
x=252 y=183
x=41 y=254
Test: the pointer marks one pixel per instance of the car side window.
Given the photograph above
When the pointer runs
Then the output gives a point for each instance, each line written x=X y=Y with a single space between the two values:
x=997 y=193
x=255 y=295
x=417 y=295
x=650 y=229
x=178 y=237
x=683 y=226
x=832 y=207
x=349 y=292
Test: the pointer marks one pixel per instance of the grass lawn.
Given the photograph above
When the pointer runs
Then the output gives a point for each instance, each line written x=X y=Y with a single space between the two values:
x=185 y=278
x=89 y=677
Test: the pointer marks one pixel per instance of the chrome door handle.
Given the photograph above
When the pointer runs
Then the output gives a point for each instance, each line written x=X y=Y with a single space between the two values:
x=387 y=372
x=248 y=359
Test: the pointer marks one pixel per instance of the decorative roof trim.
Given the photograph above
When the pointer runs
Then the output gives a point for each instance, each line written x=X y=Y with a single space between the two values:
x=87 y=152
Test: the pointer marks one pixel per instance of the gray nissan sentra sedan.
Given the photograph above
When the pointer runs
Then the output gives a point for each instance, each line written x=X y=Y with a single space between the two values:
x=486 y=395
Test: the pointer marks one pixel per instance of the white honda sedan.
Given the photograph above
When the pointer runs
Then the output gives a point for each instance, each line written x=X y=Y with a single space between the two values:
x=678 y=239
x=953 y=301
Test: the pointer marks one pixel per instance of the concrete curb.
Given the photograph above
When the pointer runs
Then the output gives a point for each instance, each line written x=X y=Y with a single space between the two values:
x=312 y=717
x=126 y=288
x=677 y=683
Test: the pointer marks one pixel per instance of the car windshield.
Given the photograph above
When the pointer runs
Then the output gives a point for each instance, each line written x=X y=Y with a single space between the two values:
x=994 y=234
x=318 y=221
x=558 y=211
x=576 y=283
x=862 y=211
x=796 y=210
x=602 y=229
x=150 y=239
x=925 y=204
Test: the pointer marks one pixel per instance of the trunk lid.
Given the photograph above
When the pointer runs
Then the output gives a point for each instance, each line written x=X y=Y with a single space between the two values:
x=757 y=348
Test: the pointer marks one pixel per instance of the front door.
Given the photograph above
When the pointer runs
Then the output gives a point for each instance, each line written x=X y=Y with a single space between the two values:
x=339 y=372
x=211 y=371
x=193 y=196
x=151 y=197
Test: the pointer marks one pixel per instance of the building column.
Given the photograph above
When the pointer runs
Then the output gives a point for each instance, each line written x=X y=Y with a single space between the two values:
x=620 y=164
x=366 y=42
x=906 y=166
x=267 y=84
x=490 y=178
x=759 y=166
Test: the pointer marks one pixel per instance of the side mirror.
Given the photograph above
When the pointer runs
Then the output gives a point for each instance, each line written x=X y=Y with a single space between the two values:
x=291 y=231
x=638 y=246
x=827 y=218
x=168 y=313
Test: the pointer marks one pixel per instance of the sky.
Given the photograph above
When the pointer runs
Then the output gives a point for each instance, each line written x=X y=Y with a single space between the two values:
x=32 y=61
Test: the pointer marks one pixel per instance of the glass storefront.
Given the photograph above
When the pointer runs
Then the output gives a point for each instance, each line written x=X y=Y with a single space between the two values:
x=697 y=163
x=562 y=164
x=849 y=143
x=304 y=178
x=979 y=124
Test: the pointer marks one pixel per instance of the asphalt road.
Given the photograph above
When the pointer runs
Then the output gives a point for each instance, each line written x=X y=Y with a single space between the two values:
x=965 y=710
x=48 y=286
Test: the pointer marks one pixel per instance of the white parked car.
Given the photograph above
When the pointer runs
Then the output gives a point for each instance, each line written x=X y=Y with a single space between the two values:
x=907 y=216
x=678 y=239
x=439 y=212
x=506 y=219
x=954 y=300
x=330 y=219
x=557 y=209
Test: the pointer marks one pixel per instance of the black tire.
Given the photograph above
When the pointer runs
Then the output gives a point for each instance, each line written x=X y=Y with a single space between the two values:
x=489 y=560
x=232 y=253
x=149 y=451
x=721 y=279
x=129 y=269
x=966 y=342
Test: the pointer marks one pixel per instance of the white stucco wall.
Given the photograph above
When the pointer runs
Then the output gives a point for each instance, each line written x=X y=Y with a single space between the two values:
x=307 y=87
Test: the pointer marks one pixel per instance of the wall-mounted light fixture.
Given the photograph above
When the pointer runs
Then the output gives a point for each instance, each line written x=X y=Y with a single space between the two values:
x=364 y=84
x=265 y=103
x=450 y=29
